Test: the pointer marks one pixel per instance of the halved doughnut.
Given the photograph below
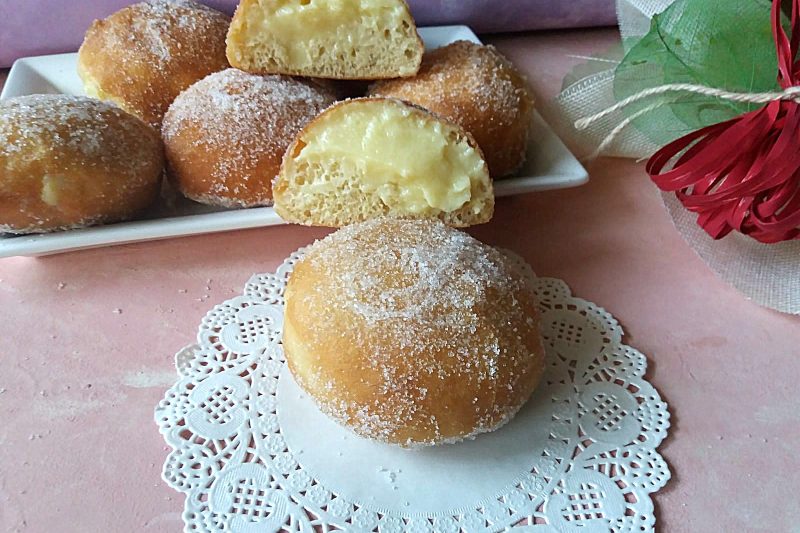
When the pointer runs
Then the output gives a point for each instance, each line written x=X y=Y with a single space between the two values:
x=342 y=39
x=372 y=157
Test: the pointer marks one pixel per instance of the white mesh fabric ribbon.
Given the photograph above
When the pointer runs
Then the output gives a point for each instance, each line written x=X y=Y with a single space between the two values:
x=593 y=90
x=252 y=454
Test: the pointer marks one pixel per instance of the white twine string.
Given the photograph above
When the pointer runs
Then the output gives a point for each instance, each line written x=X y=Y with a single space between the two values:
x=791 y=93
x=613 y=134
x=591 y=58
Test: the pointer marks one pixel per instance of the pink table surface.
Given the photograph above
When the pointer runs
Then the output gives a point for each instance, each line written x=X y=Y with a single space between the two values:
x=79 y=450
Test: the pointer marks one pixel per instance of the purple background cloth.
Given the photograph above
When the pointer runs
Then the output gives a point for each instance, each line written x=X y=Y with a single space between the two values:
x=35 y=27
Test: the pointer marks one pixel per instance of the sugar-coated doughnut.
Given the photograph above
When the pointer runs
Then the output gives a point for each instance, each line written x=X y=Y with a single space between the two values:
x=411 y=332
x=474 y=86
x=144 y=55
x=225 y=136
x=371 y=157
x=342 y=39
x=68 y=162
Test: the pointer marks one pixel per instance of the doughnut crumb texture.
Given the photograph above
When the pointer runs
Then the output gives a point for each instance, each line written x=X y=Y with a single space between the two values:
x=376 y=157
x=225 y=136
x=478 y=88
x=70 y=162
x=412 y=333
x=338 y=39
x=144 y=55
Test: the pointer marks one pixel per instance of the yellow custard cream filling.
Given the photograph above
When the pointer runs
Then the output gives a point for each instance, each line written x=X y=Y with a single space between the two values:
x=51 y=188
x=302 y=28
x=411 y=161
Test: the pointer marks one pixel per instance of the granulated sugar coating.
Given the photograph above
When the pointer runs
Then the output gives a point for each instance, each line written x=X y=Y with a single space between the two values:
x=411 y=332
x=157 y=21
x=226 y=135
x=144 y=55
x=71 y=122
x=480 y=90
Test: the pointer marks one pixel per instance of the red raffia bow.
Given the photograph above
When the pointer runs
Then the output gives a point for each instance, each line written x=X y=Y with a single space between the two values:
x=744 y=174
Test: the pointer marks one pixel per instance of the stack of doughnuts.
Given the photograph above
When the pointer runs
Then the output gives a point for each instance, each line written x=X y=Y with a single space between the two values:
x=226 y=130
x=400 y=327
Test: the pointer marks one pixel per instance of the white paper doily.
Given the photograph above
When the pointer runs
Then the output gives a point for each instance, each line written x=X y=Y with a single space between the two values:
x=253 y=454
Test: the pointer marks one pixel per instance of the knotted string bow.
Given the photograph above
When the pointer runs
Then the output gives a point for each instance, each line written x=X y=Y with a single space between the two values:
x=744 y=174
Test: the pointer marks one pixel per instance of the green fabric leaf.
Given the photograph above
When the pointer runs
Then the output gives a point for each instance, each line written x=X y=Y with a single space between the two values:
x=722 y=44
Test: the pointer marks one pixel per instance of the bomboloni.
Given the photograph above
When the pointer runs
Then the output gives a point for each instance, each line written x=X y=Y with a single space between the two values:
x=411 y=332
x=70 y=162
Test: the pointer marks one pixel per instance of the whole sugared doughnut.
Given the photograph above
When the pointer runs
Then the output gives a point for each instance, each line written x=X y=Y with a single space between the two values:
x=225 y=136
x=412 y=333
x=68 y=162
x=479 y=89
x=144 y=55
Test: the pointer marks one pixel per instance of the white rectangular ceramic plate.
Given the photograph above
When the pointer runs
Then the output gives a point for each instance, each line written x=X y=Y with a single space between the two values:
x=550 y=166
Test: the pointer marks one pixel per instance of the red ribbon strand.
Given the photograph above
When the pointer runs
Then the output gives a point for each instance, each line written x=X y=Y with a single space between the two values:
x=744 y=174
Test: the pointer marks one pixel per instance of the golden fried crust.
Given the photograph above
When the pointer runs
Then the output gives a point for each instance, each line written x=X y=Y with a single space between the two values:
x=479 y=89
x=70 y=162
x=225 y=136
x=144 y=55
x=412 y=333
